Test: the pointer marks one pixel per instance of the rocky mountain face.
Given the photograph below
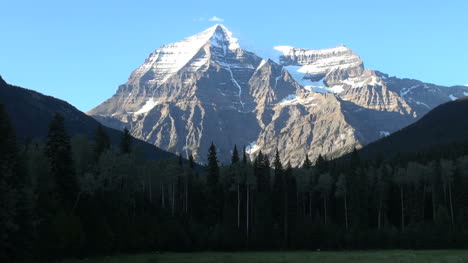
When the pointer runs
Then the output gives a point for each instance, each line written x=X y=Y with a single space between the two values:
x=206 y=88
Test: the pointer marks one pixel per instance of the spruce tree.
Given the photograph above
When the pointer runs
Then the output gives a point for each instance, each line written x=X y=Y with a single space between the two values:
x=279 y=194
x=212 y=178
x=321 y=164
x=58 y=151
x=244 y=156
x=235 y=155
x=307 y=163
x=214 y=191
x=191 y=162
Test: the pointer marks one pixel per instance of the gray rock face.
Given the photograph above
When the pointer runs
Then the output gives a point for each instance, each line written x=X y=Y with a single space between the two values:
x=206 y=88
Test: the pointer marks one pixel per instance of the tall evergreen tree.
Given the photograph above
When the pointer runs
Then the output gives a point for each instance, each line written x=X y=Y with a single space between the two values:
x=321 y=164
x=307 y=163
x=244 y=156
x=235 y=155
x=212 y=177
x=58 y=151
x=279 y=194
x=191 y=162
x=214 y=192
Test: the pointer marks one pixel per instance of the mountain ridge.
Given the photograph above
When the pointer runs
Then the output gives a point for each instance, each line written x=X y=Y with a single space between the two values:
x=31 y=111
x=314 y=102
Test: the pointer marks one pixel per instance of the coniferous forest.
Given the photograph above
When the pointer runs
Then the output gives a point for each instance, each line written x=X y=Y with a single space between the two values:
x=78 y=196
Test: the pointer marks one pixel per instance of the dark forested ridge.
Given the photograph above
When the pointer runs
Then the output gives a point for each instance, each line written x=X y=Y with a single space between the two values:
x=31 y=112
x=444 y=125
x=76 y=196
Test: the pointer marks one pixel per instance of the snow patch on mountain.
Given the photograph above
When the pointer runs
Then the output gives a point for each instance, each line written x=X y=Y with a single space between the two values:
x=384 y=133
x=293 y=99
x=252 y=148
x=320 y=61
x=149 y=105
x=356 y=82
x=452 y=97
x=405 y=91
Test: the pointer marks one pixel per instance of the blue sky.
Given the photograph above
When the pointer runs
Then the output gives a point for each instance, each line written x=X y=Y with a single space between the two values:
x=80 y=51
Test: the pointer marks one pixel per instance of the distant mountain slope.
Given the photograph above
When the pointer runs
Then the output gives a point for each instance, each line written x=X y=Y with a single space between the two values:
x=207 y=88
x=447 y=123
x=31 y=112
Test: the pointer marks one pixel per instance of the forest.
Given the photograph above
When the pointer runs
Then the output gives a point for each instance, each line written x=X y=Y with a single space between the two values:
x=66 y=197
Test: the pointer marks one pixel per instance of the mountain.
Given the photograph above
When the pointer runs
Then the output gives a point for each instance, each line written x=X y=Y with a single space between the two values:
x=31 y=112
x=206 y=88
x=443 y=125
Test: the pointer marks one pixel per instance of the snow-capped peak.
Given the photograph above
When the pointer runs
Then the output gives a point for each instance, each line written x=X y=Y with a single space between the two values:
x=221 y=36
x=170 y=58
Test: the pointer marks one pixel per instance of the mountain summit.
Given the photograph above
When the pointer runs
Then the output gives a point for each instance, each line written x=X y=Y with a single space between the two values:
x=206 y=88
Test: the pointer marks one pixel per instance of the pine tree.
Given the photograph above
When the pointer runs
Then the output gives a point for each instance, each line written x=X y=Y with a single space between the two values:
x=212 y=178
x=307 y=163
x=214 y=193
x=290 y=202
x=126 y=142
x=235 y=155
x=191 y=162
x=279 y=193
x=244 y=156
x=321 y=164
x=58 y=151
x=277 y=162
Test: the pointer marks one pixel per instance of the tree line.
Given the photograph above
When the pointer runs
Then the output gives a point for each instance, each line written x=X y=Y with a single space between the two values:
x=78 y=196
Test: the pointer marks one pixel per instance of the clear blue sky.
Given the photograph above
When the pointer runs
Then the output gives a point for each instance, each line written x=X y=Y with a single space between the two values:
x=80 y=51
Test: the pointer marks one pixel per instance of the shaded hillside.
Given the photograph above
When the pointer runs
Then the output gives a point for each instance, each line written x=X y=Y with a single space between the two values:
x=446 y=124
x=31 y=112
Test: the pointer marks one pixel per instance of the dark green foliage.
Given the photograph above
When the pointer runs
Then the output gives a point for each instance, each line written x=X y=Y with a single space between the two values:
x=212 y=169
x=92 y=199
x=214 y=192
x=102 y=141
x=442 y=126
x=8 y=182
x=307 y=163
x=191 y=162
x=235 y=155
x=126 y=142
x=58 y=151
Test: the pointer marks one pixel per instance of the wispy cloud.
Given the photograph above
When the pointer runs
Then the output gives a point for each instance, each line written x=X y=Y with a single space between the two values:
x=215 y=19
x=466 y=85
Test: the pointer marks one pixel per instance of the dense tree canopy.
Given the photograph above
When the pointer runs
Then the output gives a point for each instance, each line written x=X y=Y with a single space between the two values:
x=74 y=197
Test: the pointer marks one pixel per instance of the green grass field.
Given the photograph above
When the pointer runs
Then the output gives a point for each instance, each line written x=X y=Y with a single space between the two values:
x=390 y=256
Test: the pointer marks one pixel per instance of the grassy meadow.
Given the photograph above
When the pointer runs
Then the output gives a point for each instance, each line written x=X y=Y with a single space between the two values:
x=391 y=256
